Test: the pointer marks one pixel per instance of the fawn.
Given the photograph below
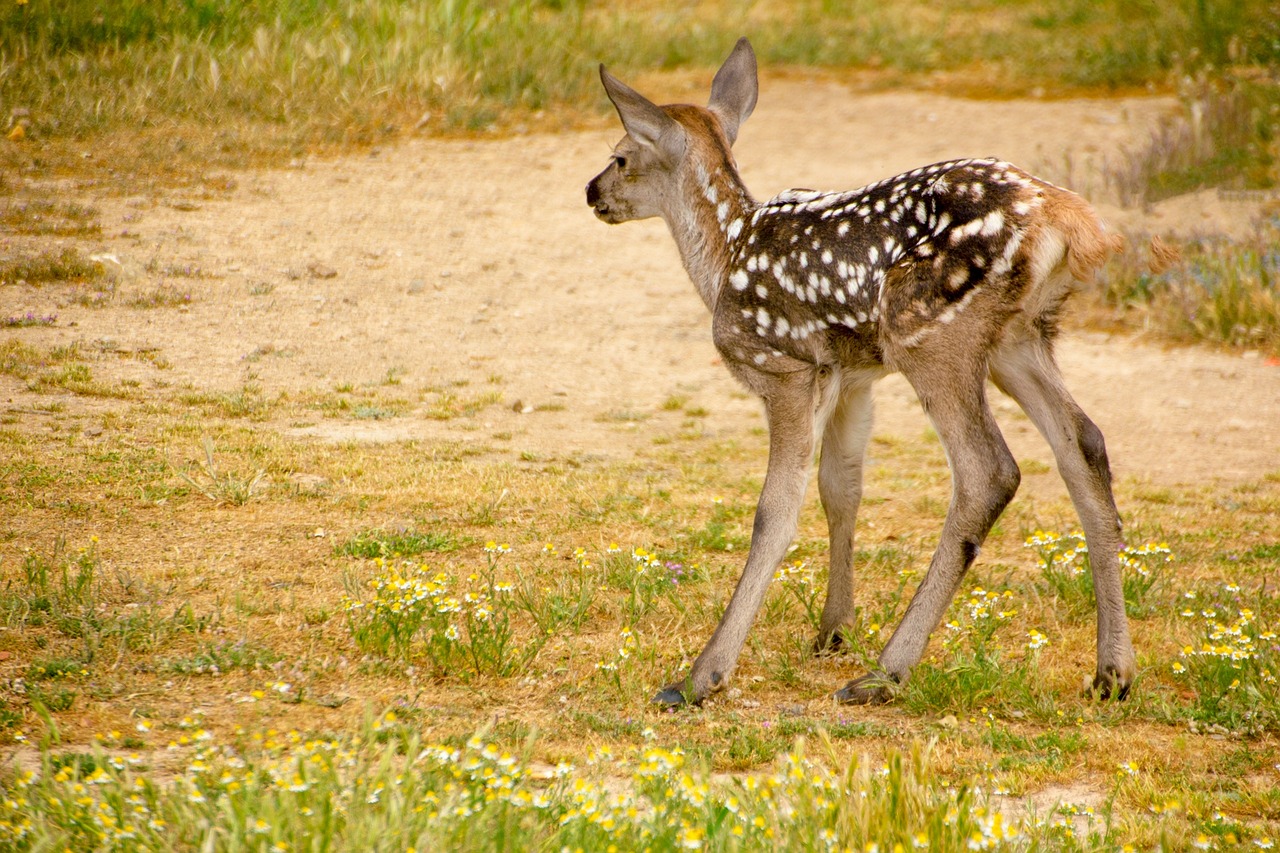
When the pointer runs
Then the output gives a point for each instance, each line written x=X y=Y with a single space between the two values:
x=949 y=273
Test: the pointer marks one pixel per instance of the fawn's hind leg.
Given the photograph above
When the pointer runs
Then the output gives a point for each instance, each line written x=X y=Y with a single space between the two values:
x=844 y=444
x=1025 y=370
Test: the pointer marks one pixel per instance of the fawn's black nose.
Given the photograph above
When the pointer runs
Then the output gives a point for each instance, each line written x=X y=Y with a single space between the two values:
x=593 y=199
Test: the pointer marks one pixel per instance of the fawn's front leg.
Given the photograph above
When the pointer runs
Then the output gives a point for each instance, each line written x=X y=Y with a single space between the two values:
x=792 y=403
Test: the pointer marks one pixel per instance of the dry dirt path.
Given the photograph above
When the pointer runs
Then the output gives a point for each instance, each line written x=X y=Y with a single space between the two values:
x=478 y=261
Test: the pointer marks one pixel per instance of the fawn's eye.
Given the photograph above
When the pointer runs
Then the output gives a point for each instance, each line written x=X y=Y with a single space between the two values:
x=621 y=161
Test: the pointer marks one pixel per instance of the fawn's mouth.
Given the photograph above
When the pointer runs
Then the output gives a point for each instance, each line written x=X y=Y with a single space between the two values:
x=604 y=213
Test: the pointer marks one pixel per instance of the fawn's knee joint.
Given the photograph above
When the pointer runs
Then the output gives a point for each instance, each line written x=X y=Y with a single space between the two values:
x=1006 y=480
x=1094 y=448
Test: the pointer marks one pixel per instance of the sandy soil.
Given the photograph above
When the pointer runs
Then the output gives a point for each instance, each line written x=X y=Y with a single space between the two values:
x=473 y=260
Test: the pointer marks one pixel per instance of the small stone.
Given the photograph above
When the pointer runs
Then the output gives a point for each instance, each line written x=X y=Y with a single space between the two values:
x=319 y=270
x=520 y=407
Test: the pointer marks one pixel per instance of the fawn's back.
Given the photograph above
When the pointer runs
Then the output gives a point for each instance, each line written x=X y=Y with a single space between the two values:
x=823 y=271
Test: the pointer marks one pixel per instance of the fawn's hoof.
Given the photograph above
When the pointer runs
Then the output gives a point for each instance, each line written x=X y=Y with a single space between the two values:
x=1109 y=685
x=671 y=697
x=871 y=689
x=831 y=644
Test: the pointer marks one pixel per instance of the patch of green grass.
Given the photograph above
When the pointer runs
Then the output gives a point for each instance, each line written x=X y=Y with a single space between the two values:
x=215 y=659
x=446 y=405
x=371 y=544
x=184 y=84
x=1232 y=663
x=462 y=630
x=653 y=799
x=49 y=218
x=55 y=668
x=55 y=588
x=52 y=265
x=1223 y=291
x=162 y=296
x=1223 y=137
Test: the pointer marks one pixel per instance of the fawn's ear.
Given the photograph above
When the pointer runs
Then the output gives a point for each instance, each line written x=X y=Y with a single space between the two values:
x=734 y=91
x=645 y=121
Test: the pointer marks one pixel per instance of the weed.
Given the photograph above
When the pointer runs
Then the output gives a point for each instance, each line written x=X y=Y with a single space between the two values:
x=43 y=217
x=162 y=296
x=613 y=669
x=720 y=532
x=643 y=577
x=370 y=544
x=54 y=699
x=562 y=601
x=448 y=405
x=19 y=321
x=222 y=487
x=57 y=589
x=47 y=670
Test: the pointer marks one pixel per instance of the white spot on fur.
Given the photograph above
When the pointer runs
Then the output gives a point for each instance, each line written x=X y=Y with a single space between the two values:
x=739 y=279
x=735 y=228
x=992 y=223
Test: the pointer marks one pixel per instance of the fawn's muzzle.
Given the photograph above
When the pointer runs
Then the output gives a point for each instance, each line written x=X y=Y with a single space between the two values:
x=594 y=201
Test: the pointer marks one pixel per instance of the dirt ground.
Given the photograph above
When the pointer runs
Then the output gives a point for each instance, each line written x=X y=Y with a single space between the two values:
x=479 y=261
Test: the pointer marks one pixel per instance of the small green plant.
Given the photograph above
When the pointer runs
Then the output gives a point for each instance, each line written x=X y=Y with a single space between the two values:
x=796 y=580
x=562 y=601
x=721 y=531
x=614 y=668
x=227 y=487
x=57 y=589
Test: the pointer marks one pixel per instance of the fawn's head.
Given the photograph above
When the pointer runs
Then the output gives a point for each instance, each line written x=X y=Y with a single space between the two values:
x=664 y=145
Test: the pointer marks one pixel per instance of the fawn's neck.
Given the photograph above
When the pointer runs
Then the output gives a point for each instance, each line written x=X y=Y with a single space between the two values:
x=713 y=211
